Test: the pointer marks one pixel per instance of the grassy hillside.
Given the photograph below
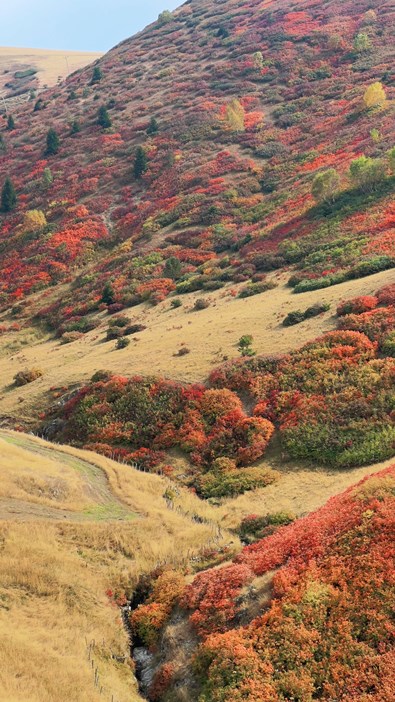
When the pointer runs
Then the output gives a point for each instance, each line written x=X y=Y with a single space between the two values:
x=74 y=526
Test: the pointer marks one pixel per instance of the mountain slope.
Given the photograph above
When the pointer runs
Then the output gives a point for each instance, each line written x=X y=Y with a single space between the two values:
x=241 y=131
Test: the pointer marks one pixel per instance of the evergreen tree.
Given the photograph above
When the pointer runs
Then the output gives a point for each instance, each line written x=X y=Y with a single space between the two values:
x=103 y=118
x=153 y=127
x=140 y=163
x=97 y=75
x=10 y=123
x=8 y=196
x=172 y=268
x=52 y=142
x=108 y=295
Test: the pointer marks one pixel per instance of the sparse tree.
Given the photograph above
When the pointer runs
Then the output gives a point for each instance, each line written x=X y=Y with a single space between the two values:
x=258 y=60
x=10 y=123
x=165 y=17
x=103 y=118
x=375 y=95
x=245 y=345
x=362 y=42
x=97 y=75
x=325 y=185
x=52 y=142
x=8 y=196
x=33 y=221
x=370 y=17
x=140 y=163
x=47 y=178
x=391 y=159
x=75 y=127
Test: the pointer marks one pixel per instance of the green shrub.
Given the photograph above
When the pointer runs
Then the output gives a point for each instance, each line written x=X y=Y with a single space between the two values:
x=293 y=318
x=101 y=376
x=69 y=337
x=233 y=482
x=254 y=527
x=122 y=343
x=316 y=309
x=176 y=302
x=256 y=288
x=201 y=304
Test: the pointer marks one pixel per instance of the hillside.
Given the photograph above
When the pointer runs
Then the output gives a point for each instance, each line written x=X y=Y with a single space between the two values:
x=226 y=175
x=304 y=614
x=73 y=528
x=197 y=307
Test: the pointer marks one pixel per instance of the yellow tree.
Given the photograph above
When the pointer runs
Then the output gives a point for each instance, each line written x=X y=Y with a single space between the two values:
x=33 y=221
x=375 y=95
x=235 y=115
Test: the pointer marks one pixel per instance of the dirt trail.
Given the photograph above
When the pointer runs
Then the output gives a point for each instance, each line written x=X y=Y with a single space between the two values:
x=104 y=504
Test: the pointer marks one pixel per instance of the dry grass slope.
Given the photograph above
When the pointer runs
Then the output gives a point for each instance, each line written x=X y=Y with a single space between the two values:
x=54 y=574
x=50 y=64
x=210 y=334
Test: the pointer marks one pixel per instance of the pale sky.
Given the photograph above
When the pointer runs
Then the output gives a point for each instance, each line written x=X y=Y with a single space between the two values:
x=90 y=25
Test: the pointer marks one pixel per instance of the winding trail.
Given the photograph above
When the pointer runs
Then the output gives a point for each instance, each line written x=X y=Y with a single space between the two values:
x=105 y=505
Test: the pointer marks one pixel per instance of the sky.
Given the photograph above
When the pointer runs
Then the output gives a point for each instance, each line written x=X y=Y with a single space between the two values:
x=82 y=25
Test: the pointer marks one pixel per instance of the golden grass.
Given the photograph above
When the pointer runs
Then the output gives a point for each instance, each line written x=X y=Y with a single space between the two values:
x=34 y=478
x=54 y=575
x=50 y=64
x=210 y=334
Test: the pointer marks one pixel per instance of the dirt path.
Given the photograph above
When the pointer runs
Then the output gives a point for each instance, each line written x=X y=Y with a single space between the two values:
x=104 y=504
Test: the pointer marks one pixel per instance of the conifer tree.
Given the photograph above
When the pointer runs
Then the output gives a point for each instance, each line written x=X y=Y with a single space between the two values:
x=97 y=75
x=8 y=196
x=103 y=118
x=108 y=295
x=140 y=163
x=153 y=127
x=52 y=143
x=47 y=178
x=10 y=123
